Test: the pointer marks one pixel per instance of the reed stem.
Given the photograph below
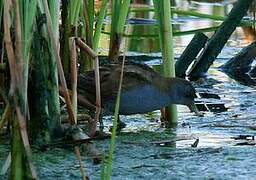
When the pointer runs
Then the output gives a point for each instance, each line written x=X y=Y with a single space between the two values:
x=163 y=10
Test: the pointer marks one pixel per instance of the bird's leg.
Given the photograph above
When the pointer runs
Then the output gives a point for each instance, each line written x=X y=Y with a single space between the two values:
x=101 y=123
x=91 y=120
x=193 y=108
x=120 y=124
x=92 y=123
x=163 y=117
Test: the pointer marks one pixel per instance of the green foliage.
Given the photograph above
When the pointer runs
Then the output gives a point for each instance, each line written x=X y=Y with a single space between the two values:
x=108 y=163
x=27 y=9
x=99 y=24
x=27 y=15
x=74 y=8
x=119 y=13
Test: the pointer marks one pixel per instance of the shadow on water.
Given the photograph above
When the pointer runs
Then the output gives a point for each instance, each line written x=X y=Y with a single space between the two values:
x=145 y=150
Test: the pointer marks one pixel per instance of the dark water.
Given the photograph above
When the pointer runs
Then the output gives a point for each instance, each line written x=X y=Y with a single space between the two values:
x=138 y=155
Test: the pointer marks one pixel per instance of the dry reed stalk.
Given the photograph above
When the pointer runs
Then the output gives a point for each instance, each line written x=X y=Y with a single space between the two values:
x=73 y=69
x=8 y=42
x=86 y=48
x=98 y=96
x=94 y=56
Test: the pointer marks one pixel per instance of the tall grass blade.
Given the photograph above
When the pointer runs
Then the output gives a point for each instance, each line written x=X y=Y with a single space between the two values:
x=99 y=24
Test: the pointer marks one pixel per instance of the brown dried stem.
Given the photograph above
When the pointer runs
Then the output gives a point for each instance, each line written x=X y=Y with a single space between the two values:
x=84 y=47
x=94 y=56
x=73 y=69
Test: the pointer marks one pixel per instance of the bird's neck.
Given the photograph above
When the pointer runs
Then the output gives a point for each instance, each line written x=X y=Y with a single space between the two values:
x=168 y=87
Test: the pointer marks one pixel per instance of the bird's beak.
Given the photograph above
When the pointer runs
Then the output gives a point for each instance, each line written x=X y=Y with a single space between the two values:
x=193 y=108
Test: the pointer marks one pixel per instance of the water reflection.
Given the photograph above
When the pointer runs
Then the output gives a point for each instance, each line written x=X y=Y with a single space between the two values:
x=144 y=33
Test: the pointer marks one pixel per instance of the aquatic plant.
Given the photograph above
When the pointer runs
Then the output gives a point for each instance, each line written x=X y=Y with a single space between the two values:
x=163 y=11
x=119 y=13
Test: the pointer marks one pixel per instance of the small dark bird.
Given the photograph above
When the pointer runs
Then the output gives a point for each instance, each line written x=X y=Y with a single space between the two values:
x=143 y=89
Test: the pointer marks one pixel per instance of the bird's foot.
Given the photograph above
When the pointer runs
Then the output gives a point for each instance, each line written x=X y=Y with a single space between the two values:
x=120 y=125
x=199 y=114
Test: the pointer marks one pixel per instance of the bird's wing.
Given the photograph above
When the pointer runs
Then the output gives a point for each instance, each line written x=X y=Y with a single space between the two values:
x=134 y=76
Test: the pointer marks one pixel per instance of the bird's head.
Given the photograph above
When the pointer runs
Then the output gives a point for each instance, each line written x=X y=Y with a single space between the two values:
x=182 y=92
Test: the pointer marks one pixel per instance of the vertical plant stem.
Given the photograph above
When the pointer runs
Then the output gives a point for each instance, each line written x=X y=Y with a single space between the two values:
x=91 y=13
x=59 y=65
x=98 y=96
x=163 y=11
x=45 y=51
x=124 y=8
x=27 y=16
x=70 y=19
x=62 y=78
x=94 y=56
x=88 y=24
x=17 y=89
x=17 y=165
x=88 y=13
x=99 y=24
x=107 y=171
x=53 y=97
x=73 y=69
x=74 y=6
x=119 y=13
x=54 y=8
x=42 y=122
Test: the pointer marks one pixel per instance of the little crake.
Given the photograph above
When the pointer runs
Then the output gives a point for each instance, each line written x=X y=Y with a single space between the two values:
x=143 y=90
